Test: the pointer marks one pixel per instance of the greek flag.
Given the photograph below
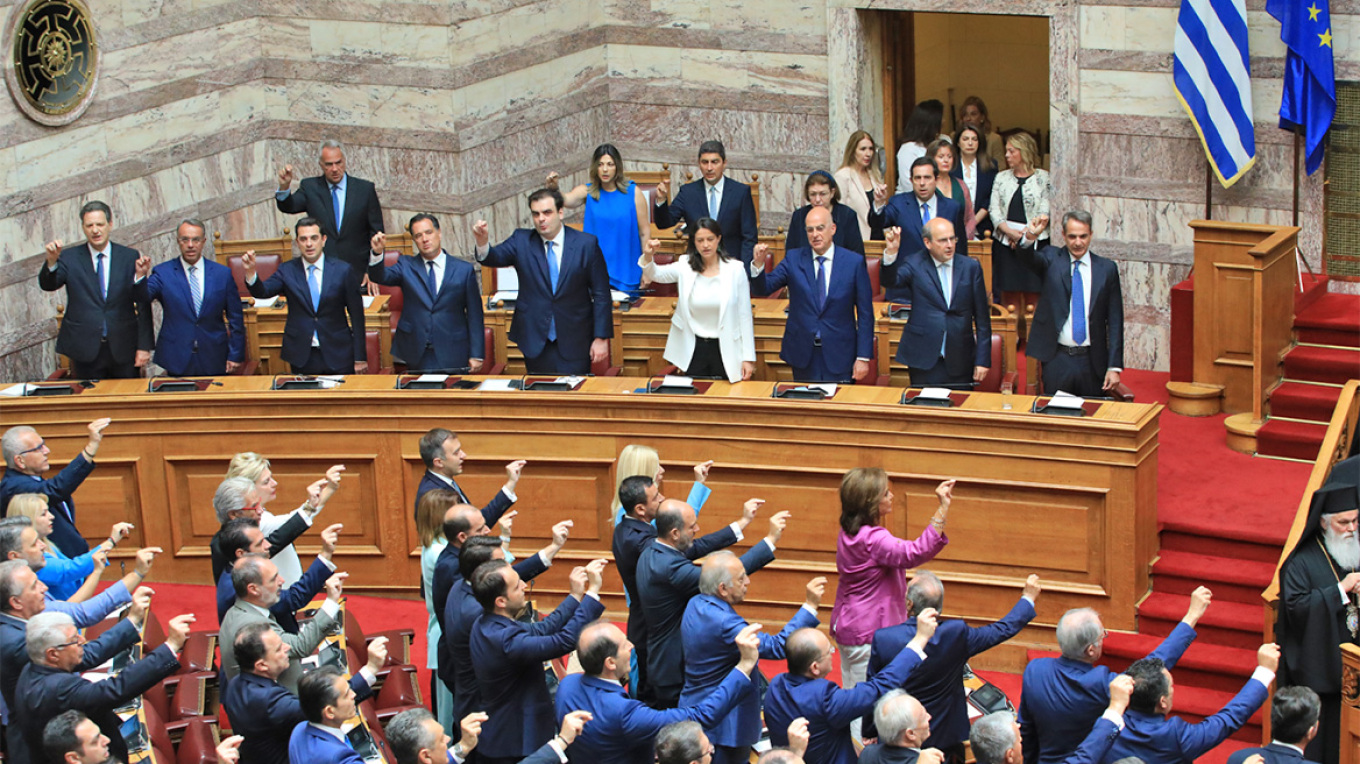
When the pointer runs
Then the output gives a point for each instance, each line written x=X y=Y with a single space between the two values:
x=1213 y=82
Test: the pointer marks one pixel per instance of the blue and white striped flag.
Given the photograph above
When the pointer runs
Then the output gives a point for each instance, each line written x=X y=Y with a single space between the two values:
x=1213 y=82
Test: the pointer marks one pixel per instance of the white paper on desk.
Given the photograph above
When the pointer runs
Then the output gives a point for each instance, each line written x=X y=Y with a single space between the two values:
x=1065 y=400
x=618 y=296
x=572 y=381
x=828 y=387
x=507 y=279
x=266 y=302
x=675 y=380
x=329 y=382
x=368 y=301
x=934 y=393
x=18 y=391
x=505 y=295
x=496 y=384
x=432 y=378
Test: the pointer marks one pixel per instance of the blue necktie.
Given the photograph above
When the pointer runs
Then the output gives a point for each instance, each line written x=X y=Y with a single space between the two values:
x=335 y=204
x=947 y=288
x=821 y=282
x=103 y=288
x=1078 y=306
x=429 y=279
x=713 y=202
x=552 y=276
x=925 y=213
x=195 y=291
x=315 y=284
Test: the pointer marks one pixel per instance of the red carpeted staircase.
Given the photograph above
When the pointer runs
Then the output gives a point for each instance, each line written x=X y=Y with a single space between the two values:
x=1327 y=355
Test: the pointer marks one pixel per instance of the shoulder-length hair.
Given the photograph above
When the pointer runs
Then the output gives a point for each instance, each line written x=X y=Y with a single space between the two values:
x=620 y=180
x=1029 y=150
x=430 y=514
x=696 y=260
x=984 y=161
x=848 y=160
x=923 y=126
x=861 y=489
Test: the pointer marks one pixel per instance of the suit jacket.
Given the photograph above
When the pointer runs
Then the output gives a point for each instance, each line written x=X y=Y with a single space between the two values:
x=196 y=343
x=963 y=327
x=843 y=217
x=846 y=320
x=342 y=341
x=349 y=241
x=736 y=216
x=14 y=655
x=829 y=709
x=58 y=491
x=904 y=211
x=581 y=305
x=1105 y=328
x=1273 y=754
x=446 y=572
x=307 y=743
x=491 y=512
x=736 y=327
x=92 y=610
x=709 y=627
x=450 y=321
x=1060 y=698
x=1160 y=739
x=666 y=580
x=300 y=645
x=291 y=599
x=508 y=658
x=938 y=683
x=982 y=195
x=279 y=538
x=880 y=753
x=89 y=312
x=266 y=714
x=623 y=730
x=855 y=196
x=45 y=692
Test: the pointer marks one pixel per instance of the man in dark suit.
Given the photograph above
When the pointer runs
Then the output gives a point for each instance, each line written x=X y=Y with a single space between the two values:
x=317 y=339
x=938 y=684
x=442 y=452
x=1294 y=713
x=441 y=326
x=327 y=701
x=621 y=728
x=902 y=725
x=72 y=738
x=563 y=312
x=806 y=692
x=714 y=196
x=260 y=708
x=1151 y=734
x=241 y=537
x=1061 y=698
x=667 y=579
x=1078 y=327
x=202 y=329
x=829 y=332
x=508 y=656
x=416 y=737
x=105 y=331
x=947 y=341
x=346 y=207
x=26 y=455
x=911 y=212
x=996 y=737
x=53 y=685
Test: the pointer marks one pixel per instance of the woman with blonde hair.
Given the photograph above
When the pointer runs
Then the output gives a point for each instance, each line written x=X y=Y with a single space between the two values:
x=858 y=177
x=872 y=564
x=1020 y=194
x=636 y=459
x=68 y=578
x=430 y=528
x=255 y=468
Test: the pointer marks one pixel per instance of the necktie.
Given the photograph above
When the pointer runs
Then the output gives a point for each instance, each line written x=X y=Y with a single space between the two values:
x=103 y=288
x=925 y=213
x=429 y=278
x=335 y=205
x=1078 y=305
x=195 y=291
x=821 y=282
x=314 y=282
x=945 y=286
x=552 y=276
x=713 y=202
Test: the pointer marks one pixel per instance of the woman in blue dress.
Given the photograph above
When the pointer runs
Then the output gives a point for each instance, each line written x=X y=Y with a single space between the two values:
x=616 y=214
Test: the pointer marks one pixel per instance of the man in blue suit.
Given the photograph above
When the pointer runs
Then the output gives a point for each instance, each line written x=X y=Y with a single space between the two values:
x=327 y=701
x=829 y=332
x=242 y=536
x=621 y=729
x=508 y=656
x=714 y=196
x=202 y=329
x=105 y=331
x=903 y=725
x=667 y=579
x=346 y=207
x=948 y=340
x=996 y=737
x=263 y=710
x=1061 y=698
x=442 y=452
x=911 y=212
x=317 y=338
x=416 y=737
x=563 y=312
x=441 y=326
x=26 y=460
x=1294 y=713
x=806 y=692
x=709 y=628
x=1155 y=737
x=938 y=684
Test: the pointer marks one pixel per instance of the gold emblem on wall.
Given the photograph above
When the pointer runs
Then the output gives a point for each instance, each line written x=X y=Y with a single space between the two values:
x=53 y=62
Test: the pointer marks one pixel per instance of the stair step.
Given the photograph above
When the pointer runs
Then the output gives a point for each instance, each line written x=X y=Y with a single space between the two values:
x=1214 y=667
x=1177 y=538
x=1232 y=624
x=1332 y=319
x=1296 y=440
x=1297 y=400
x=1322 y=364
x=1178 y=572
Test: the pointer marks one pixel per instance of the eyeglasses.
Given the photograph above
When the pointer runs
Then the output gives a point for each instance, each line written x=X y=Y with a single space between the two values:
x=79 y=640
x=41 y=445
x=710 y=751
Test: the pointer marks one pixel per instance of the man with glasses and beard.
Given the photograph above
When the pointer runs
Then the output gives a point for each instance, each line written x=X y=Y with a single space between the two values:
x=1320 y=601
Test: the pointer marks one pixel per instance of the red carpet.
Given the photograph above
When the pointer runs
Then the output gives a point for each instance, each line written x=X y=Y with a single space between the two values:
x=1328 y=355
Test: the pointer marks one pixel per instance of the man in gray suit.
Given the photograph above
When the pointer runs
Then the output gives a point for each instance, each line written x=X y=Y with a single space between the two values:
x=257 y=583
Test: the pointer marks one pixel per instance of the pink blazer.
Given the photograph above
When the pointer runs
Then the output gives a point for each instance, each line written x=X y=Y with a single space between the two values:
x=872 y=590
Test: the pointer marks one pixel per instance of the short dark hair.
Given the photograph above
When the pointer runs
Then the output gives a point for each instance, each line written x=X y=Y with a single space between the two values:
x=316 y=690
x=249 y=645
x=59 y=736
x=547 y=193
x=407 y=736
x=235 y=537
x=488 y=584
x=9 y=583
x=96 y=206
x=432 y=442
x=12 y=537
x=802 y=651
x=822 y=178
x=419 y=216
x=632 y=492
x=593 y=654
x=457 y=524
x=924 y=162
x=1150 y=684
x=669 y=519
x=247 y=571
x=1294 y=711
x=678 y=743
x=307 y=222
x=476 y=551
x=713 y=147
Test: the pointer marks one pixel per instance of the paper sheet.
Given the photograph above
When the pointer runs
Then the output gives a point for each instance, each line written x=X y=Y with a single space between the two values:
x=496 y=384
x=934 y=393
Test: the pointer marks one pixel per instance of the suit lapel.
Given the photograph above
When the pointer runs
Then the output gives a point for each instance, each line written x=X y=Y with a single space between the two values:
x=725 y=284
x=448 y=276
x=571 y=253
x=87 y=263
x=809 y=265
x=1097 y=281
x=954 y=277
x=350 y=194
x=300 y=272
x=540 y=262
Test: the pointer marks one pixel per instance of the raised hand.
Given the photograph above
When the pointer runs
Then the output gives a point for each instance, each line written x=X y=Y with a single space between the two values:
x=750 y=508
x=926 y=621
x=1121 y=689
x=701 y=471
x=1200 y=599
x=96 y=429
x=144 y=559
x=892 y=238
x=663 y=191
x=945 y=492
x=595 y=575
x=572 y=724
x=335 y=586
x=649 y=251
x=229 y=750
x=512 y=472
x=479 y=233
x=248 y=263
x=759 y=254
x=120 y=531
x=286 y=177
x=552 y=179
x=334 y=474
x=816 y=589
x=560 y=532
x=778 y=523
x=178 y=632
x=52 y=251
x=930 y=756
x=578 y=579
x=142 y=267
x=1268 y=656
x=748 y=644
x=314 y=493
x=471 y=727
x=329 y=538
x=799 y=736
x=880 y=194
x=1032 y=587
x=378 y=244
x=141 y=603
x=377 y=654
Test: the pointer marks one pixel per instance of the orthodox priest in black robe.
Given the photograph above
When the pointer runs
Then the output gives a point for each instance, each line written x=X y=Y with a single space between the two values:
x=1319 y=605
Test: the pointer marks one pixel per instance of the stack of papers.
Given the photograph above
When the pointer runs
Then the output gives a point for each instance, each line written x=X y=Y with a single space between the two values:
x=440 y=378
x=329 y=382
x=266 y=302
x=368 y=301
x=496 y=384
x=675 y=380
x=505 y=295
x=1066 y=400
x=618 y=296
x=827 y=387
x=934 y=393
x=572 y=381
x=18 y=391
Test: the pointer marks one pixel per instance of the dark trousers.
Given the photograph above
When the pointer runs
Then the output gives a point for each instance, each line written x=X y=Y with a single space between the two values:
x=723 y=754
x=428 y=363
x=316 y=364
x=104 y=366
x=198 y=366
x=817 y=370
x=1072 y=373
x=937 y=375
x=707 y=360
x=1326 y=747
x=551 y=361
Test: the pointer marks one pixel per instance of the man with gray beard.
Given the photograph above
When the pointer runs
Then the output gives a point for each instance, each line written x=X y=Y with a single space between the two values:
x=1320 y=601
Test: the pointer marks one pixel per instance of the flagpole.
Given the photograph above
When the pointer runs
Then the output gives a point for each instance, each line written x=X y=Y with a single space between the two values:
x=1298 y=143
x=1208 y=190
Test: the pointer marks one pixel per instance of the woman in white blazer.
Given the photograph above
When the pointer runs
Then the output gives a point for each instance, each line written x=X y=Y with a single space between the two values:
x=712 y=331
x=858 y=177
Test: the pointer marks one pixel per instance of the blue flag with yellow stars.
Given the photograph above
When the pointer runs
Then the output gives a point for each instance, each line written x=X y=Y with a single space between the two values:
x=1309 y=100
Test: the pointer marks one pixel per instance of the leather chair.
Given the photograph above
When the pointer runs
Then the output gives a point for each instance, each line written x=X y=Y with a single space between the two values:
x=875 y=267
x=490 y=365
x=394 y=294
x=373 y=345
x=401 y=692
x=198 y=745
x=157 y=734
x=995 y=379
x=265 y=265
x=398 y=642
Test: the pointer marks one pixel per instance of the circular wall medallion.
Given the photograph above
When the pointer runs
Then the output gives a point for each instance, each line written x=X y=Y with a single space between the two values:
x=53 y=62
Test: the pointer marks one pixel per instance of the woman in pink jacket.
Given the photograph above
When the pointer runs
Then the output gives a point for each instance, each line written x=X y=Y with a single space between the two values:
x=872 y=564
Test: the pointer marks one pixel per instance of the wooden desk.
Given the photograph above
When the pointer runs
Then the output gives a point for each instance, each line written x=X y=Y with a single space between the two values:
x=1073 y=500
x=264 y=334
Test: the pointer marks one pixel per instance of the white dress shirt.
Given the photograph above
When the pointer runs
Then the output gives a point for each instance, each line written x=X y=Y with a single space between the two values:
x=375 y=258
x=716 y=206
x=193 y=272
x=1065 y=335
x=705 y=303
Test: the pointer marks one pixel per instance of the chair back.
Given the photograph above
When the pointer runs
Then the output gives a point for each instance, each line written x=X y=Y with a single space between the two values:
x=664 y=290
x=269 y=255
x=875 y=268
x=395 y=295
x=199 y=744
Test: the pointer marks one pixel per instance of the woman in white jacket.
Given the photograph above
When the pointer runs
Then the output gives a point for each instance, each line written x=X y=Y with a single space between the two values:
x=712 y=332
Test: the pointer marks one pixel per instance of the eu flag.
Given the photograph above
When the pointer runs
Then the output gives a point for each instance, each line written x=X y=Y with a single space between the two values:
x=1309 y=100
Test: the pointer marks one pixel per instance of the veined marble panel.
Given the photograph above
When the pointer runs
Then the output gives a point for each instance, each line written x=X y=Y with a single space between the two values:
x=183 y=56
x=1154 y=95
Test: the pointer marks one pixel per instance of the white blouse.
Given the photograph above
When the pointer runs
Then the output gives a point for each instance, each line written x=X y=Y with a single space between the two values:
x=705 y=303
